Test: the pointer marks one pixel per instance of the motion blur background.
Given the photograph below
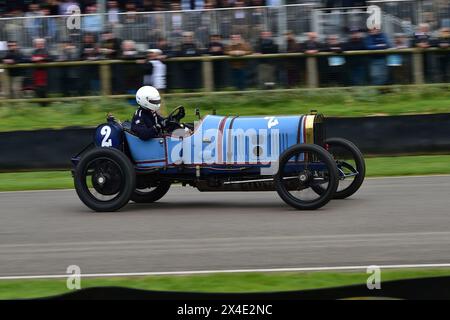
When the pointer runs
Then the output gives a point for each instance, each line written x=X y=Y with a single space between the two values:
x=65 y=64
x=209 y=45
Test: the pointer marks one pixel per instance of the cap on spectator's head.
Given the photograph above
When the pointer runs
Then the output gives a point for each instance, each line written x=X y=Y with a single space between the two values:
x=156 y=51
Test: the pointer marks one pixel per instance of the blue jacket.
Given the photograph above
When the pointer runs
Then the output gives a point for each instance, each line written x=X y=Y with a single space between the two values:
x=377 y=41
x=147 y=124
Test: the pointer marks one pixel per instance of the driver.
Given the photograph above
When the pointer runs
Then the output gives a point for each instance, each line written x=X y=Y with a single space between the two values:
x=147 y=123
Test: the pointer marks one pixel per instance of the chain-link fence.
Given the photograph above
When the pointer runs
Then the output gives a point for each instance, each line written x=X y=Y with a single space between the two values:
x=146 y=28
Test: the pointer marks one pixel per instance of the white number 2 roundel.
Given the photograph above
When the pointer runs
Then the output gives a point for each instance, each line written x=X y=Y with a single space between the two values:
x=106 y=133
x=272 y=121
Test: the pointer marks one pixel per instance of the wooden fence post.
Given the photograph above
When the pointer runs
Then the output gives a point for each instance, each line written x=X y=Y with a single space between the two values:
x=312 y=76
x=105 y=79
x=418 y=71
x=6 y=83
x=208 y=75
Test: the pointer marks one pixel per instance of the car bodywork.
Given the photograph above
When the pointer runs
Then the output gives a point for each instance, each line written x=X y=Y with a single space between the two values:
x=228 y=153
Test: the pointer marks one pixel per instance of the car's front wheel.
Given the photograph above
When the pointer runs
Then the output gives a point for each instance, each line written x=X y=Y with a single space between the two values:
x=351 y=166
x=104 y=179
x=302 y=167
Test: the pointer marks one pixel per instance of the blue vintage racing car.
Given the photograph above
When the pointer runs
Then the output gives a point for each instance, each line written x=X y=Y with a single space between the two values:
x=287 y=154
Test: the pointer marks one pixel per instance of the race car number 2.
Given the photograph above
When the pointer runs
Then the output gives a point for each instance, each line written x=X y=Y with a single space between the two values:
x=106 y=133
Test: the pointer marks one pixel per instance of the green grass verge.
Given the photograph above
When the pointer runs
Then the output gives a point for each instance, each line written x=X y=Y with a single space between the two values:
x=376 y=167
x=220 y=282
x=43 y=180
x=331 y=102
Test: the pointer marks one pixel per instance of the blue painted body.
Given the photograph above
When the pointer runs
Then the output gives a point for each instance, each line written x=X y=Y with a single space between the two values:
x=219 y=144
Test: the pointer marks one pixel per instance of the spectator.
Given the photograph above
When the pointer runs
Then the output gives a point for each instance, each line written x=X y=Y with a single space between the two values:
x=238 y=48
x=292 y=65
x=311 y=45
x=89 y=48
x=266 y=69
x=131 y=75
x=92 y=23
x=13 y=28
x=40 y=75
x=32 y=24
x=49 y=27
x=130 y=14
x=65 y=5
x=133 y=24
x=165 y=47
x=399 y=64
x=189 y=69
x=70 y=76
x=129 y=51
x=216 y=48
x=357 y=63
x=443 y=42
x=110 y=46
x=113 y=12
x=241 y=20
x=155 y=71
x=378 y=72
x=335 y=64
x=53 y=7
x=14 y=56
x=258 y=16
x=192 y=4
x=176 y=22
x=423 y=40
x=89 y=74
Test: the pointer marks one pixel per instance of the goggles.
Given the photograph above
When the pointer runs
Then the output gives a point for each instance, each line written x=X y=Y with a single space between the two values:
x=154 y=101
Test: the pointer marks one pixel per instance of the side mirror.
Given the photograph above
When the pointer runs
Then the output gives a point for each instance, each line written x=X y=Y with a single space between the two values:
x=197 y=113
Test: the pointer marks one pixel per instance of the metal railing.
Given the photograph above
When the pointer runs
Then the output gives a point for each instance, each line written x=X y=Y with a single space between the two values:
x=311 y=70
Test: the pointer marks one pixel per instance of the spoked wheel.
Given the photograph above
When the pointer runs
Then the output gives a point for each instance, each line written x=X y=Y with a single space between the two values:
x=302 y=167
x=351 y=167
x=105 y=179
x=151 y=194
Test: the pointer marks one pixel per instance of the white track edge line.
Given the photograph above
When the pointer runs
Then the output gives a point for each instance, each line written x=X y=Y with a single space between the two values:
x=170 y=273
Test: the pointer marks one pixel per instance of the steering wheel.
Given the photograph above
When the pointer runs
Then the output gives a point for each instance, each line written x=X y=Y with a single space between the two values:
x=173 y=120
x=177 y=114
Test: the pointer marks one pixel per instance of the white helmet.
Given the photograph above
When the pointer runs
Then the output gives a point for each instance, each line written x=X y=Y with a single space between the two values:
x=148 y=98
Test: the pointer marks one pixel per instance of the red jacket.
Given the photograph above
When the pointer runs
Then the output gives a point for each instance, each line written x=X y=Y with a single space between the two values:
x=40 y=75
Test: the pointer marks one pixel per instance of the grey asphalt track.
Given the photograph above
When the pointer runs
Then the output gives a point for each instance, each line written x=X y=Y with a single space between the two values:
x=389 y=221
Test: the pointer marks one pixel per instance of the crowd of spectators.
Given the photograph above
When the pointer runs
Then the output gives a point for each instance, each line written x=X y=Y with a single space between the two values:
x=151 y=68
x=59 y=7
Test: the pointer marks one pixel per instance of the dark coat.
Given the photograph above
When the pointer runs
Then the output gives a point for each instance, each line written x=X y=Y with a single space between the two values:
x=147 y=124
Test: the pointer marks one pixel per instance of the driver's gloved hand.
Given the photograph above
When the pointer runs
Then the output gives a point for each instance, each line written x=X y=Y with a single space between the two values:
x=158 y=127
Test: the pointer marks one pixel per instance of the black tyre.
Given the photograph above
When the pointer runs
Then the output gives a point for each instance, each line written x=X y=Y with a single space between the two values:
x=301 y=167
x=351 y=166
x=105 y=179
x=151 y=194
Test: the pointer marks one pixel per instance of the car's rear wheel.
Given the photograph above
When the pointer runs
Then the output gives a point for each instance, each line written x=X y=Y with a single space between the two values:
x=301 y=167
x=351 y=166
x=151 y=194
x=104 y=179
